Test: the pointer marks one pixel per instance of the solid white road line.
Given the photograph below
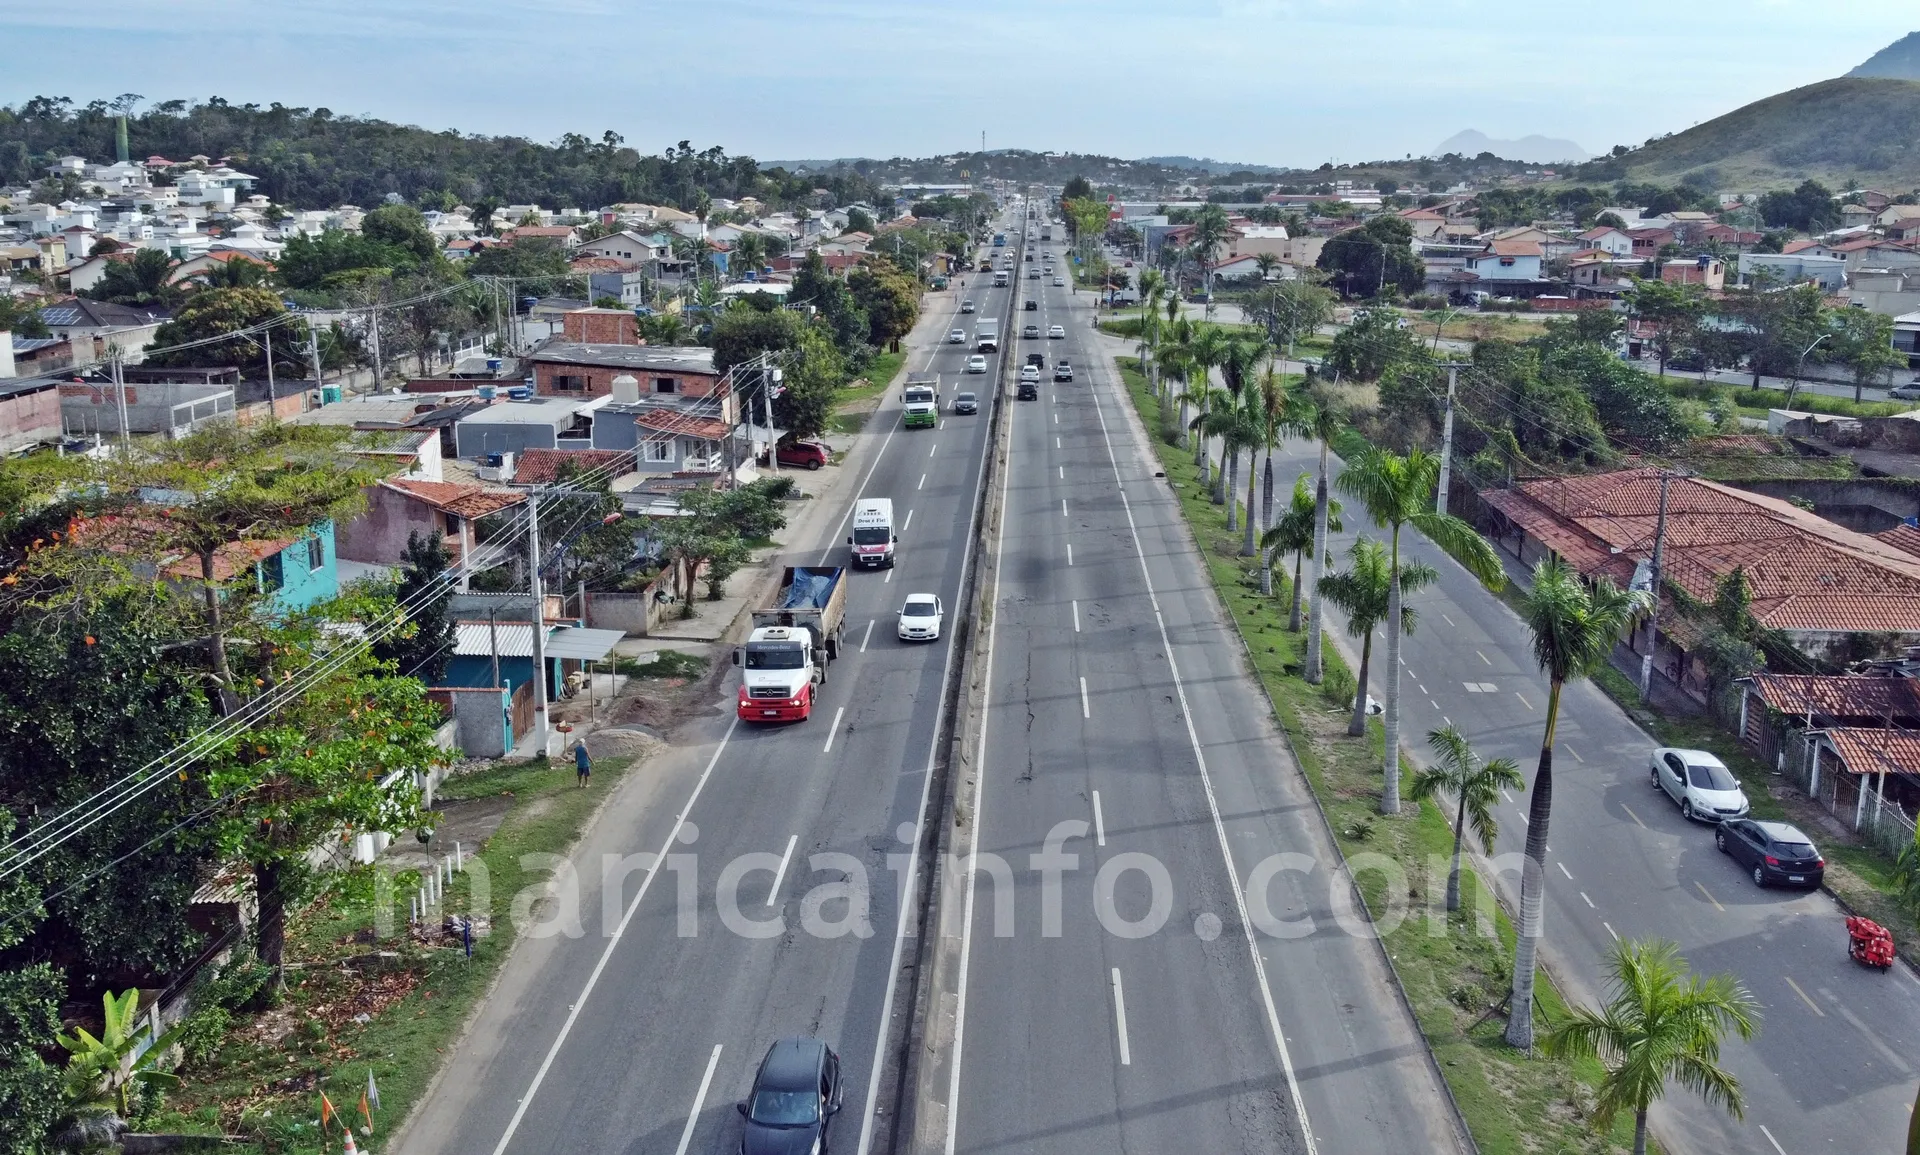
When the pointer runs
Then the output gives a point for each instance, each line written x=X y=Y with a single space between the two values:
x=778 y=875
x=866 y=636
x=693 y=1116
x=613 y=941
x=1213 y=806
x=833 y=729
x=1076 y=615
x=1099 y=822
x=905 y=525
x=1120 y=1019
x=1084 y=711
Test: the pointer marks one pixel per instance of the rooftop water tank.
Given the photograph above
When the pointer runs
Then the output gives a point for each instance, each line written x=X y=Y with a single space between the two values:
x=626 y=389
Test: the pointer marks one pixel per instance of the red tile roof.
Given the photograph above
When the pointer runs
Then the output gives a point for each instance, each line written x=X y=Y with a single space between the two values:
x=1868 y=750
x=1838 y=695
x=664 y=421
x=1806 y=573
x=1905 y=538
x=1800 y=246
x=469 y=501
x=540 y=466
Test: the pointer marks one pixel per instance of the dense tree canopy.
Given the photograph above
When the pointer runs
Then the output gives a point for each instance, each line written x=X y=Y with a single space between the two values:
x=1373 y=258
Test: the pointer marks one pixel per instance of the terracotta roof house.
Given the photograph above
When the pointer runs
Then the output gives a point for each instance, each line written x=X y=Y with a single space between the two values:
x=1850 y=741
x=1832 y=592
x=443 y=511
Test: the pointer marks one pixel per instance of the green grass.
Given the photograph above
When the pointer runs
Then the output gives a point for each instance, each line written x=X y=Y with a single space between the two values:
x=268 y=1090
x=1512 y=1103
x=1756 y=402
x=850 y=411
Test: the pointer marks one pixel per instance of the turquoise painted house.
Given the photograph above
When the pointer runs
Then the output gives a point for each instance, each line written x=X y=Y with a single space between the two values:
x=303 y=573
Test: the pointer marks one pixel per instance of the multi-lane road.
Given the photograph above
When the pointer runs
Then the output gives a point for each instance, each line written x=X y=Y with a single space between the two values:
x=639 y=1034
x=1131 y=781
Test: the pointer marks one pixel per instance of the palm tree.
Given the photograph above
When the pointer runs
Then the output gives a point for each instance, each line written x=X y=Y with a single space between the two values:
x=1662 y=1023
x=1174 y=357
x=1398 y=491
x=1210 y=229
x=1475 y=787
x=1237 y=363
x=1278 y=413
x=1293 y=534
x=1574 y=629
x=1365 y=594
x=1152 y=284
x=1218 y=418
x=1325 y=422
x=1208 y=349
x=1266 y=263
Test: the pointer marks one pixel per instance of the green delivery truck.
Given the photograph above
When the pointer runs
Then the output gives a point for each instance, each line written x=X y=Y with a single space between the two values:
x=922 y=402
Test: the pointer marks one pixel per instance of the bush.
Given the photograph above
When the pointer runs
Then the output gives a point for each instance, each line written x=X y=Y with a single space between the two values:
x=1338 y=685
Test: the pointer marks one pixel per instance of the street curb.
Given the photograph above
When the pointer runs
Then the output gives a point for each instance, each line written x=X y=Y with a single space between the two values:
x=922 y=1114
x=1141 y=441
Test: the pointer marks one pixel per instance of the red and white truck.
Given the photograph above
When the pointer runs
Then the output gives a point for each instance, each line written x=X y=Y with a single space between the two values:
x=785 y=657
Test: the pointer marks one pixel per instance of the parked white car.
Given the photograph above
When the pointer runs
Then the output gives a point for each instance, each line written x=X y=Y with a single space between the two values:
x=920 y=618
x=1700 y=784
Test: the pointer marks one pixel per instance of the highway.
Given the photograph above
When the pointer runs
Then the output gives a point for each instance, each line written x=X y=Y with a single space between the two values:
x=1834 y=1065
x=638 y=1025
x=1112 y=996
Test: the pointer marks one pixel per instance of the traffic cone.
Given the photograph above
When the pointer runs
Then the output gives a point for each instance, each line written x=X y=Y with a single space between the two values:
x=349 y=1149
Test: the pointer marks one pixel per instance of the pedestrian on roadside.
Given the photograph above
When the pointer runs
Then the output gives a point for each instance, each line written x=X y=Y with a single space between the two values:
x=582 y=763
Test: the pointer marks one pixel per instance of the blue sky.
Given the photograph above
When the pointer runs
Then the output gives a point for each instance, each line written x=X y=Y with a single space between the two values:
x=1264 y=81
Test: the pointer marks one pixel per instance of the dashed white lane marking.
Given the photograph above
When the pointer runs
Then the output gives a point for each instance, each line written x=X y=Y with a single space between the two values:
x=1099 y=822
x=1523 y=699
x=693 y=1116
x=1804 y=997
x=1084 y=711
x=834 y=729
x=1776 y=1142
x=1508 y=797
x=1448 y=620
x=907 y=523
x=923 y=482
x=1120 y=1019
x=1588 y=901
x=1611 y=931
x=1564 y=870
x=1063 y=472
x=864 y=638
x=1076 y=615
x=1069 y=553
x=1063 y=507
x=774 y=894
x=1483 y=657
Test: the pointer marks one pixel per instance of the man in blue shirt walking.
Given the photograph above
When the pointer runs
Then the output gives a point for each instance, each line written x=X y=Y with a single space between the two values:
x=582 y=764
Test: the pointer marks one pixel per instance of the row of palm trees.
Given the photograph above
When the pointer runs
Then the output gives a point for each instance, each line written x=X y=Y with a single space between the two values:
x=1662 y=1025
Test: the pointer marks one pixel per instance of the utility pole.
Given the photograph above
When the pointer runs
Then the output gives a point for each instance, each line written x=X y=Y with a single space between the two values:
x=1446 y=441
x=1653 y=618
x=539 y=617
x=271 y=399
x=493 y=643
x=313 y=349
x=766 y=408
x=373 y=328
x=120 y=398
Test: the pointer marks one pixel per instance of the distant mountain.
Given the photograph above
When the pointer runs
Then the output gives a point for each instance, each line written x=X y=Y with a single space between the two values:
x=1897 y=61
x=1533 y=149
x=1833 y=131
x=1205 y=164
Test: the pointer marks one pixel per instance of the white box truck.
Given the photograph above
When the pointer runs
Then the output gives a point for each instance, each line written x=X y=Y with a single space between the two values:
x=874 y=535
x=986 y=335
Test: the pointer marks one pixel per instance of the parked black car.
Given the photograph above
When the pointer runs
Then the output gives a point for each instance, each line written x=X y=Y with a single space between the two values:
x=1772 y=852
x=796 y=1093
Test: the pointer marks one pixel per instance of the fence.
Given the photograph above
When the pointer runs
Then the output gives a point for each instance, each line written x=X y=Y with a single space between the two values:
x=1853 y=798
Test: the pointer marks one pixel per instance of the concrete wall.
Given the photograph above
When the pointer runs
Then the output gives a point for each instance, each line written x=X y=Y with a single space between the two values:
x=633 y=613
x=28 y=417
x=170 y=407
x=475 y=437
x=1888 y=434
x=1844 y=501
x=481 y=718
x=600 y=380
x=380 y=534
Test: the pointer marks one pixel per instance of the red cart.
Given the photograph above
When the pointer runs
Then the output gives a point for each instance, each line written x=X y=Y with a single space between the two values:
x=1869 y=943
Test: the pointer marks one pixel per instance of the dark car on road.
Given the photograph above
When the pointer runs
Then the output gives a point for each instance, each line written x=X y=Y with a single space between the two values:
x=966 y=403
x=796 y=1093
x=1029 y=389
x=1031 y=305
x=1771 y=851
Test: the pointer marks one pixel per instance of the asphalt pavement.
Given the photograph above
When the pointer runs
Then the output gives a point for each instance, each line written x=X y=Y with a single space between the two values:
x=1835 y=1064
x=1112 y=995
x=747 y=884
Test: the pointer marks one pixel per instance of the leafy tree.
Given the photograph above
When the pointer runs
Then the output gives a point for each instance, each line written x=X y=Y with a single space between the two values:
x=143 y=280
x=1475 y=786
x=21 y=318
x=1610 y=221
x=830 y=296
x=1364 y=593
x=1628 y=403
x=1374 y=257
x=232 y=484
x=1808 y=208
x=699 y=534
x=1863 y=342
x=1587 y=327
x=401 y=228
x=1399 y=491
x=30 y=1103
x=1574 y=626
x=425 y=646
x=890 y=299
x=337 y=259
x=1372 y=345
x=211 y=314
x=858 y=221
x=1675 y=311
x=1661 y=1024
x=532 y=258
x=1077 y=188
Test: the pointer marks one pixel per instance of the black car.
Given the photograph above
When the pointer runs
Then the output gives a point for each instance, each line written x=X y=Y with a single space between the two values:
x=1031 y=305
x=1771 y=851
x=965 y=403
x=1029 y=389
x=795 y=1095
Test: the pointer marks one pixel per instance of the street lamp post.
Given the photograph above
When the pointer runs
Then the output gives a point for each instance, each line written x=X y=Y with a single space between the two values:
x=1800 y=366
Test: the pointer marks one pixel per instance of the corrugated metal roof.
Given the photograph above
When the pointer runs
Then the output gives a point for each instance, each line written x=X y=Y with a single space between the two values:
x=582 y=644
x=470 y=640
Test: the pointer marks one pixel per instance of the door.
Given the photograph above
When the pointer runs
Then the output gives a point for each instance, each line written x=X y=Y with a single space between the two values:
x=1673 y=776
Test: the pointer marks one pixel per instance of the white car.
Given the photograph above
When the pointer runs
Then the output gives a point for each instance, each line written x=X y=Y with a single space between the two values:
x=1702 y=785
x=956 y=336
x=966 y=306
x=1058 y=282
x=977 y=363
x=1029 y=372
x=1056 y=332
x=920 y=618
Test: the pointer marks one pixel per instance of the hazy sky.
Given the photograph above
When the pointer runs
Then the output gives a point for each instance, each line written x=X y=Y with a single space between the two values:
x=1264 y=81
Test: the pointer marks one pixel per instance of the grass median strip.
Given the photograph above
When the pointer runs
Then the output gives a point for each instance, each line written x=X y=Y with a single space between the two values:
x=392 y=1005
x=1455 y=970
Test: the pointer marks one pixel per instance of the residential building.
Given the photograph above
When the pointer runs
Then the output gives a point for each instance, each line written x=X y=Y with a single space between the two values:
x=1872 y=252
x=626 y=246
x=518 y=426
x=1427 y=224
x=401 y=507
x=1900 y=222
x=566 y=235
x=1510 y=260
x=601 y=327
x=98 y=329
x=1708 y=272
x=1891 y=292
x=29 y=406
x=1648 y=241
x=581 y=370
x=1781 y=269
x=1730 y=236
x=1608 y=239
x=1906 y=337
x=93 y=406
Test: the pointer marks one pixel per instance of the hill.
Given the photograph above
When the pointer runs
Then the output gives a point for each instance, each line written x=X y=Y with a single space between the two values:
x=1897 y=61
x=1207 y=164
x=1533 y=149
x=1834 y=131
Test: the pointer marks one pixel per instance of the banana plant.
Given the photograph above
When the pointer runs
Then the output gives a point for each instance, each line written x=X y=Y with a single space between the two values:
x=104 y=1073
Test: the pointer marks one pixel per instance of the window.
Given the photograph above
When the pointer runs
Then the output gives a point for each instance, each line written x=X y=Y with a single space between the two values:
x=567 y=383
x=666 y=385
x=659 y=449
x=316 y=553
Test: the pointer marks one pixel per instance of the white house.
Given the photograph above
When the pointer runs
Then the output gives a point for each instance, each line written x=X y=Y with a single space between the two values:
x=1514 y=260
x=625 y=246
x=1608 y=239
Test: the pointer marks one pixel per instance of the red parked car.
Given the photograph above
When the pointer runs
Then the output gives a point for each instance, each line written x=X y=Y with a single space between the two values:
x=804 y=454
